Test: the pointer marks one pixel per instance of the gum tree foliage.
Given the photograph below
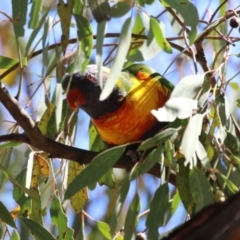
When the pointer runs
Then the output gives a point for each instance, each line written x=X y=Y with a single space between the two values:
x=44 y=172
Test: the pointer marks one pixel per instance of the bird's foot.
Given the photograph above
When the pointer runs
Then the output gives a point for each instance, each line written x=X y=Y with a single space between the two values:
x=134 y=155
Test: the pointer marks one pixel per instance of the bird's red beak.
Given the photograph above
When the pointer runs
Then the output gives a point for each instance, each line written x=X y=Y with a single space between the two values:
x=75 y=98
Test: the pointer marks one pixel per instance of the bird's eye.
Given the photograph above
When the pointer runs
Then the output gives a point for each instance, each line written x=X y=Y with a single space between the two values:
x=90 y=77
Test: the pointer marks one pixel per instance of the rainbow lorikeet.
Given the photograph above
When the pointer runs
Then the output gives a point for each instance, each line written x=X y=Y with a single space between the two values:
x=125 y=115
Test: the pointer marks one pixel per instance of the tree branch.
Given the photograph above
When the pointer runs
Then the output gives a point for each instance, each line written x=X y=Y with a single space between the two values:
x=34 y=137
x=218 y=221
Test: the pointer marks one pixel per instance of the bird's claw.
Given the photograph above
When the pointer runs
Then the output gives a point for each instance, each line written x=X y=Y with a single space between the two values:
x=134 y=155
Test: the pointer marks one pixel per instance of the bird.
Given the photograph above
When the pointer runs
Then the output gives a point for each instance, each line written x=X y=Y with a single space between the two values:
x=125 y=115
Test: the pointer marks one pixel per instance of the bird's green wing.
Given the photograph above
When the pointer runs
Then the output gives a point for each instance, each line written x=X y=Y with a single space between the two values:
x=142 y=70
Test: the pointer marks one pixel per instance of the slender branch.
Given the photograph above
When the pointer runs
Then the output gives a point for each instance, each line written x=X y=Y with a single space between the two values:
x=15 y=137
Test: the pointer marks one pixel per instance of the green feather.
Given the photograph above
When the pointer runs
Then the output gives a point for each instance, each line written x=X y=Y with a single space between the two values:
x=134 y=69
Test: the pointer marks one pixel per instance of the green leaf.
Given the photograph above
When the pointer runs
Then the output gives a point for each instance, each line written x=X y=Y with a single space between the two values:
x=85 y=40
x=149 y=47
x=96 y=143
x=66 y=113
x=5 y=216
x=200 y=189
x=151 y=159
x=169 y=152
x=58 y=103
x=104 y=229
x=60 y=219
x=143 y=2
x=174 y=206
x=43 y=123
x=5 y=156
x=19 y=14
x=223 y=109
x=234 y=85
x=10 y=144
x=188 y=87
x=179 y=107
x=189 y=13
x=35 y=13
x=183 y=186
x=158 y=32
x=96 y=169
x=78 y=7
x=6 y=62
x=108 y=179
x=190 y=139
x=65 y=13
x=100 y=9
x=15 y=235
x=78 y=200
x=231 y=186
x=238 y=103
x=101 y=28
x=36 y=213
x=232 y=143
x=121 y=8
x=19 y=195
x=158 y=208
x=123 y=47
x=138 y=28
x=202 y=156
x=35 y=32
x=131 y=218
x=158 y=139
x=37 y=230
x=125 y=185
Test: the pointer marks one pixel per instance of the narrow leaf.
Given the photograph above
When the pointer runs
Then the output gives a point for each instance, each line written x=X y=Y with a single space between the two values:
x=183 y=186
x=150 y=47
x=6 y=62
x=131 y=218
x=108 y=179
x=158 y=139
x=104 y=229
x=19 y=195
x=35 y=32
x=179 y=107
x=158 y=32
x=60 y=219
x=190 y=138
x=158 y=208
x=37 y=230
x=5 y=216
x=65 y=13
x=174 y=206
x=152 y=158
x=79 y=199
x=36 y=213
x=35 y=13
x=85 y=40
x=121 y=8
x=125 y=185
x=188 y=87
x=101 y=28
x=96 y=168
x=19 y=14
x=200 y=189
x=15 y=235
x=123 y=47
x=189 y=13
x=100 y=9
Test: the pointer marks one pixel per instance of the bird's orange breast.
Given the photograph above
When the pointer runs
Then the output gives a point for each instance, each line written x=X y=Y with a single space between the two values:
x=134 y=118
